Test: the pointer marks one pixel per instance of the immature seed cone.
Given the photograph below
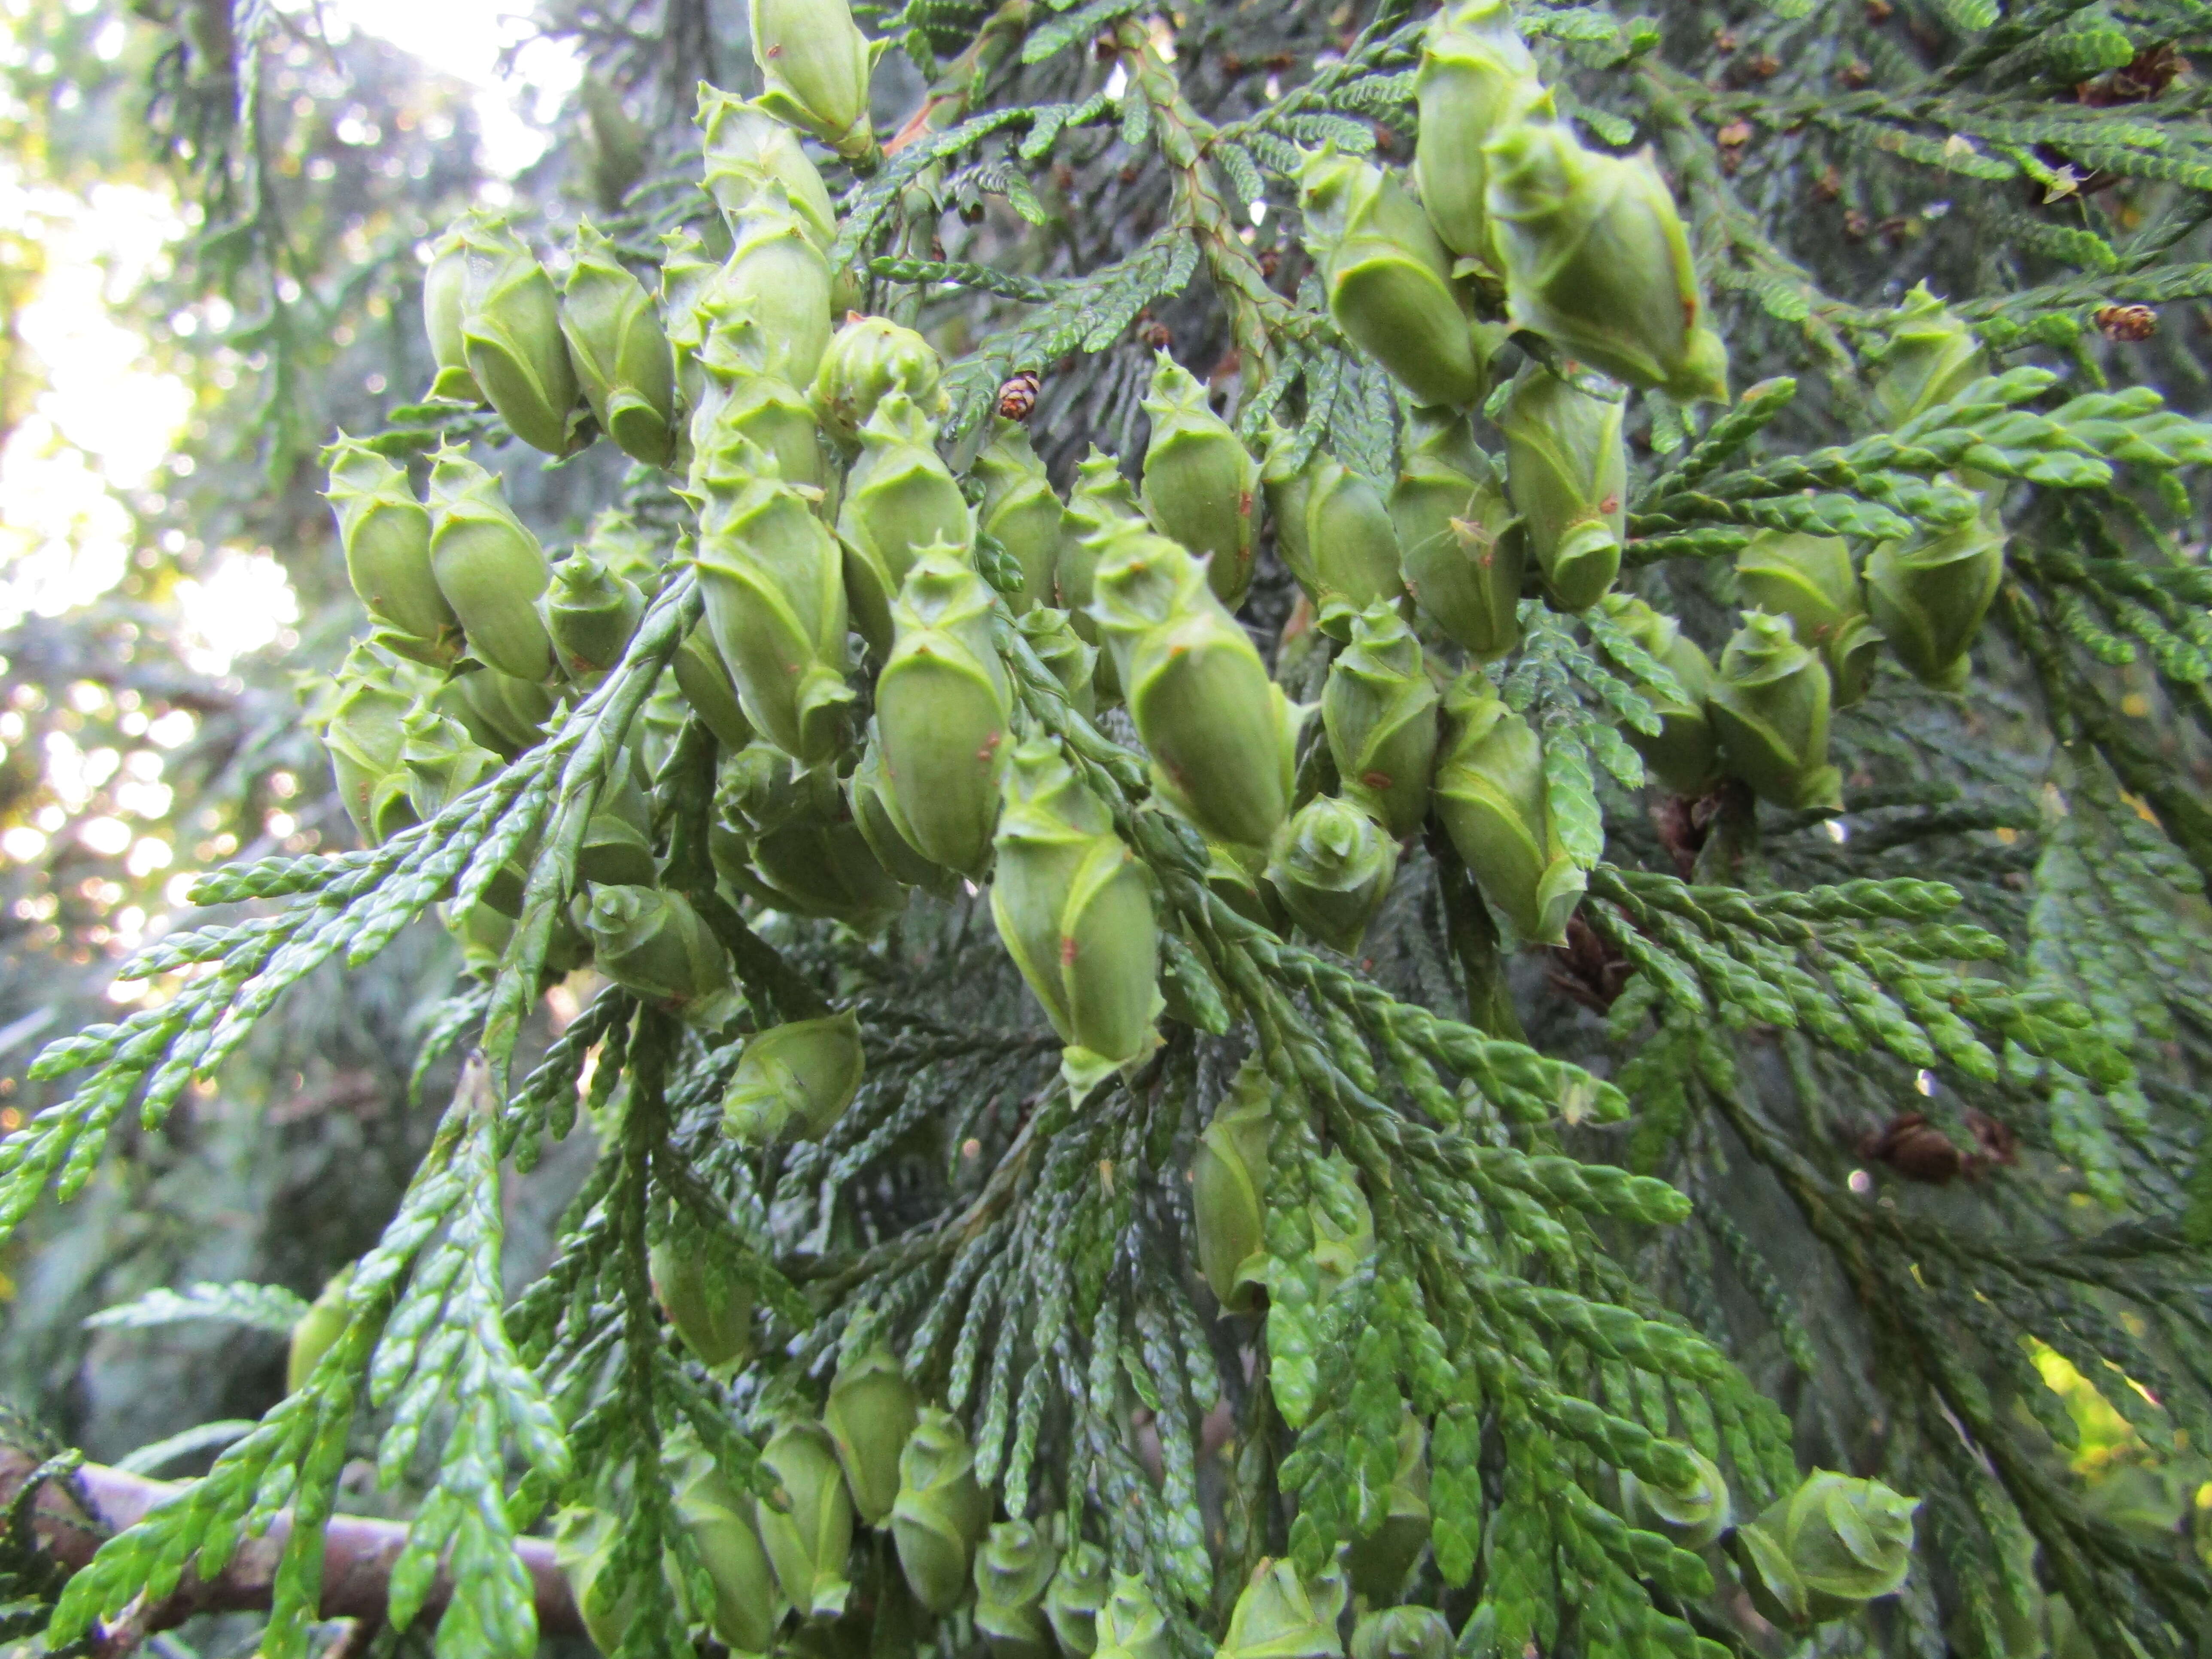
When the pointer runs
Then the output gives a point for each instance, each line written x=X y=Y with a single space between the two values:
x=1567 y=472
x=1827 y=1549
x=740 y=397
x=807 y=855
x=1379 y=1562
x=444 y=285
x=1279 y=1616
x=506 y=715
x=1051 y=634
x=816 y=64
x=1098 y=500
x=627 y=549
x=511 y=337
x=939 y=1512
x=1388 y=279
x=1379 y=709
x=1490 y=794
x=686 y=275
x=711 y=1309
x=651 y=941
x=807 y=1543
x=1352 y=543
x=1332 y=871
x=777 y=277
x=900 y=497
x=1595 y=259
x=1220 y=730
x=703 y=679
x=875 y=812
x=1402 y=1633
x=868 y=359
x=795 y=1080
x=744 y=148
x=660 y=723
x=871 y=1415
x=385 y=533
x=1228 y=1189
x=623 y=794
x=720 y=1518
x=489 y=568
x=1809 y=579
x=1933 y=357
x=1770 y=710
x=1476 y=79
x=442 y=761
x=1077 y=1591
x=1682 y=754
x=1130 y=1624
x=583 y=1544
x=942 y=708
x=1692 y=1515
x=1201 y=486
x=619 y=351
x=591 y=615
x=317 y=1330
x=772 y=577
x=1286 y=482
x=616 y=852
x=1075 y=912
x=1929 y=596
x=1461 y=549
x=1012 y=1568
x=1020 y=512
x=365 y=735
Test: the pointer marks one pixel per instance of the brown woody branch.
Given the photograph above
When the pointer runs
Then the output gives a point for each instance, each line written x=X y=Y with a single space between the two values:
x=357 y=1561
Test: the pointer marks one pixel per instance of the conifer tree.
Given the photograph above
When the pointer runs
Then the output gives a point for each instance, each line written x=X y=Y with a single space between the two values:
x=1392 y=825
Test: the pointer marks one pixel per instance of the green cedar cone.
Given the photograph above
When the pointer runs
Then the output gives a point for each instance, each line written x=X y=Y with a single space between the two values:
x=1220 y=730
x=1228 y=1189
x=900 y=497
x=1021 y=514
x=808 y=1540
x=1476 y=78
x=1074 y=910
x=511 y=337
x=1490 y=794
x=1596 y=261
x=939 y=1512
x=619 y=351
x=1461 y=549
x=1200 y=484
x=1809 y=579
x=1388 y=279
x=1770 y=711
x=386 y=533
x=869 y=358
x=1379 y=710
x=1566 y=470
x=489 y=568
x=1929 y=594
x=795 y=1080
x=1332 y=870
x=870 y=1414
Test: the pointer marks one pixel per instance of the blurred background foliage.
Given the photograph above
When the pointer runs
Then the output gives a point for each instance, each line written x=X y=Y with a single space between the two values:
x=180 y=332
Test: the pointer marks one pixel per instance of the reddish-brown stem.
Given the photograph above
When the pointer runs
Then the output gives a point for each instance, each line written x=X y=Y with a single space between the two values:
x=357 y=1560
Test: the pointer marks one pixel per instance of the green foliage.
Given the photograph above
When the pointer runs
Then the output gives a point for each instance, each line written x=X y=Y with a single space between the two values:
x=1892 y=1091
